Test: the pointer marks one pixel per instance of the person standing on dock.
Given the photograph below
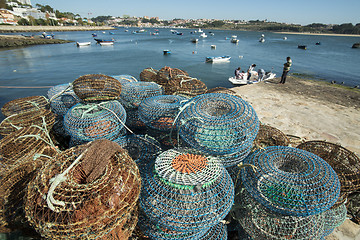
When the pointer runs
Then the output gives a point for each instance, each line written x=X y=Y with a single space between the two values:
x=286 y=69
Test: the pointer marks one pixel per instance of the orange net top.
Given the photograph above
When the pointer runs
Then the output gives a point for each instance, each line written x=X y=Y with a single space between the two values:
x=189 y=163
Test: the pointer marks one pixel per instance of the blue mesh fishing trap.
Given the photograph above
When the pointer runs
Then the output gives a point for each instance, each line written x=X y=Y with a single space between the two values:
x=159 y=112
x=62 y=98
x=291 y=181
x=334 y=217
x=133 y=93
x=87 y=122
x=262 y=223
x=186 y=191
x=219 y=124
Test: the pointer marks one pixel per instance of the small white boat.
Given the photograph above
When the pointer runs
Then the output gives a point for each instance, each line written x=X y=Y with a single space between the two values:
x=203 y=35
x=284 y=38
x=213 y=46
x=106 y=43
x=262 y=39
x=200 y=31
x=194 y=40
x=242 y=80
x=218 y=59
x=234 y=40
x=80 y=44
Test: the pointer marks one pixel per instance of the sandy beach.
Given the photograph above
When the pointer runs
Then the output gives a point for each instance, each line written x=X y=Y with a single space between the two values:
x=310 y=110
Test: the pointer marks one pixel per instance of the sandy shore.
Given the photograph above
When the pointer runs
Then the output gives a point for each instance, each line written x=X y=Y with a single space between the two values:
x=320 y=34
x=8 y=28
x=312 y=111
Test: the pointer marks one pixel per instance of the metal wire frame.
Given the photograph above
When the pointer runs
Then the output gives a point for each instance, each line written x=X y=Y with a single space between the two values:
x=219 y=124
x=85 y=122
x=186 y=201
x=270 y=136
x=291 y=181
x=159 y=112
x=62 y=98
x=133 y=93
x=26 y=104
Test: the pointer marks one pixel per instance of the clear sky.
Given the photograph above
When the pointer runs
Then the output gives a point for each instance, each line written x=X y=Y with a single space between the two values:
x=290 y=11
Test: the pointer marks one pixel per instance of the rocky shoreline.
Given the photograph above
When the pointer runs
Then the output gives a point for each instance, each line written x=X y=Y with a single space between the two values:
x=7 y=41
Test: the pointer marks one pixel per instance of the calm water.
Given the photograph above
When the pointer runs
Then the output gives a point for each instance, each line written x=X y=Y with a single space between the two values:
x=48 y=65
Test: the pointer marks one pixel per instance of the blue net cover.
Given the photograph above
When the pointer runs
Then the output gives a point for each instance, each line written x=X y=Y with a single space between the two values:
x=87 y=122
x=217 y=232
x=124 y=78
x=334 y=217
x=186 y=191
x=153 y=230
x=62 y=98
x=133 y=93
x=261 y=223
x=219 y=124
x=159 y=112
x=291 y=181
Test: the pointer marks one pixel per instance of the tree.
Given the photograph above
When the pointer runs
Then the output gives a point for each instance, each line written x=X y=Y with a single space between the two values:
x=2 y=3
x=23 y=22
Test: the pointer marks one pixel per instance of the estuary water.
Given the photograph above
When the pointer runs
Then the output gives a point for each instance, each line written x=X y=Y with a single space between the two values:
x=27 y=71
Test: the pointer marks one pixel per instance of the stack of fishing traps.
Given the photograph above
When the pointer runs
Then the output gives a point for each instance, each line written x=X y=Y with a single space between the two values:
x=287 y=194
x=103 y=154
x=185 y=195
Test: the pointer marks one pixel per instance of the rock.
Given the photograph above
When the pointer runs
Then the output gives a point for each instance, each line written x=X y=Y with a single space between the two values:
x=356 y=45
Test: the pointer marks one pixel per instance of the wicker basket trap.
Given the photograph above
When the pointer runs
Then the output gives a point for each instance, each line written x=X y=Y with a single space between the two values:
x=43 y=118
x=291 y=181
x=93 y=194
x=13 y=186
x=159 y=112
x=22 y=142
x=221 y=90
x=87 y=122
x=62 y=98
x=148 y=75
x=185 y=85
x=270 y=136
x=343 y=161
x=26 y=104
x=97 y=87
x=185 y=191
x=219 y=124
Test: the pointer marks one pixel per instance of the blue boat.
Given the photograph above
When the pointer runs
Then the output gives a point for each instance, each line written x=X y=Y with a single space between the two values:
x=98 y=40
x=167 y=52
x=94 y=35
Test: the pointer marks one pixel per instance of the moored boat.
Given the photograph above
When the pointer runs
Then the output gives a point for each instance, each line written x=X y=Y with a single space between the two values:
x=302 y=47
x=106 y=43
x=242 y=80
x=80 y=44
x=194 y=40
x=218 y=59
x=203 y=35
x=166 y=52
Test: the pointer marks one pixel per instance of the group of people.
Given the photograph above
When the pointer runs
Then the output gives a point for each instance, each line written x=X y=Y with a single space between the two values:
x=261 y=73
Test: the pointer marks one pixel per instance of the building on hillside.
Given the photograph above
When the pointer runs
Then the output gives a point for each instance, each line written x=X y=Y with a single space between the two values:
x=25 y=2
x=26 y=12
x=6 y=17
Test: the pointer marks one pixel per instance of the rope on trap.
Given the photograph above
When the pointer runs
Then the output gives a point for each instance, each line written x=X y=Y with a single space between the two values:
x=62 y=98
x=85 y=122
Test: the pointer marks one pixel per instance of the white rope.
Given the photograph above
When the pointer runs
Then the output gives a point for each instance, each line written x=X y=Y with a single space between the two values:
x=56 y=181
x=63 y=91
